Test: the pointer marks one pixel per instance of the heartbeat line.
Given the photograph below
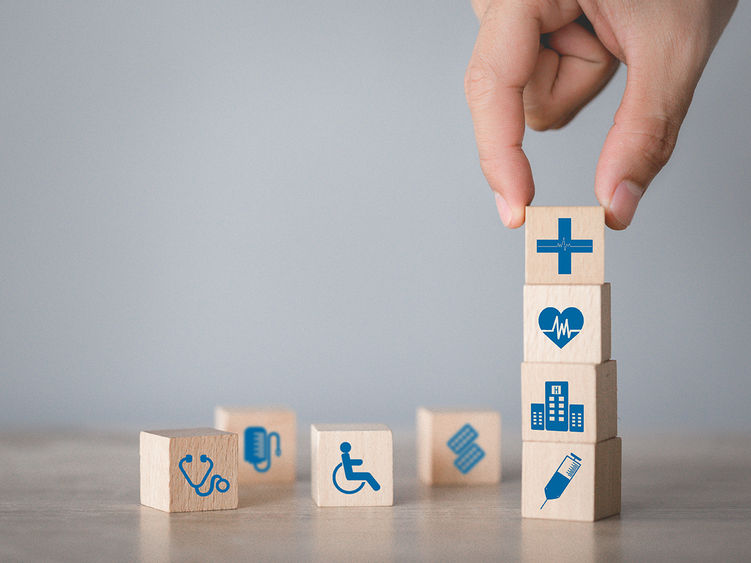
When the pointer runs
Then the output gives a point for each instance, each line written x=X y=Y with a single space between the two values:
x=560 y=329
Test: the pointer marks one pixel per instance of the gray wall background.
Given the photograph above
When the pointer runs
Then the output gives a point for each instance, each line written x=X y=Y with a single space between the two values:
x=280 y=202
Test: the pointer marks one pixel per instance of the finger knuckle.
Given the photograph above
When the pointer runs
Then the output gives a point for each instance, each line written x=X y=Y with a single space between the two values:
x=655 y=139
x=480 y=80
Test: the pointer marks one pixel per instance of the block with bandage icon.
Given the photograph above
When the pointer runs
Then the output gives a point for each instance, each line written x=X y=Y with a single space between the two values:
x=458 y=446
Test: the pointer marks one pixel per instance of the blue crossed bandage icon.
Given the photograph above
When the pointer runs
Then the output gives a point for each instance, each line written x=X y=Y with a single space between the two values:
x=564 y=246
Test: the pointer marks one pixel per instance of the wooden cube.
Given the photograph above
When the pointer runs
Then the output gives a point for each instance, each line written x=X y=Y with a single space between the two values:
x=571 y=481
x=567 y=323
x=569 y=402
x=458 y=446
x=188 y=470
x=267 y=438
x=565 y=245
x=351 y=465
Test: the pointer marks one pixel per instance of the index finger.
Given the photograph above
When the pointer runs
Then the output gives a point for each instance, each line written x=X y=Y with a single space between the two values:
x=502 y=63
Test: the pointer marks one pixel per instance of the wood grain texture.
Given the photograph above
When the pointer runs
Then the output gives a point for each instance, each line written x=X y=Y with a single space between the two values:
x=592 y=385
x=435 y=460
x=591 y=345
x=281 y=420
x=586 y=223
x=593 y=493
x=73 y=496
x=371 y=443
x=163 y=485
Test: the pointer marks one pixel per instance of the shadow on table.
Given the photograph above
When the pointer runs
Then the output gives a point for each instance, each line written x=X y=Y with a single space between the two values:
x=555 y=540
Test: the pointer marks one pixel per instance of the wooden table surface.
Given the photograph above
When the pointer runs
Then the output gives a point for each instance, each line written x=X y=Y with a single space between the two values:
x=74 y=497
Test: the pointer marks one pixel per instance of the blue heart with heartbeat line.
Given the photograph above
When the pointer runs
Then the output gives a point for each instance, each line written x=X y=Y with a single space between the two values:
x=561 y=327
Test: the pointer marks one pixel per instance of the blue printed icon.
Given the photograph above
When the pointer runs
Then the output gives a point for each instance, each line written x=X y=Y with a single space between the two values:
x=564 y=246
x=346 y=465
x=217 y=481
x=561 y=327
x=258 y=447
x=562 y=477
x=463 y=445
x=556 y=413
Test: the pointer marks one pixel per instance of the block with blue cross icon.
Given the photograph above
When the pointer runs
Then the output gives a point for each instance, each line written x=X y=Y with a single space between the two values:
x=565 y=245
x=188 y=469
x=458 y=446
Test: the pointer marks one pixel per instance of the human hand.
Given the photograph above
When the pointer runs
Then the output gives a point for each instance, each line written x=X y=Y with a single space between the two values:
x=537 y=62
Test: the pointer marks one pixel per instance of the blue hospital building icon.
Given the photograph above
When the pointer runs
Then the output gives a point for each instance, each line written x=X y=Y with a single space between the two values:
x=564 y=246
x=556 y=414
x=463 y=445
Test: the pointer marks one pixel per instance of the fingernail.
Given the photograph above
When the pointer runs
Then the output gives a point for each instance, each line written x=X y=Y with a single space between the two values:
x=624 y=202
x=504 y=211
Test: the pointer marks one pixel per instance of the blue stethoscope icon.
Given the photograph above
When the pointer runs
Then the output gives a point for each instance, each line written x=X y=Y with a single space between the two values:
x=217 y=481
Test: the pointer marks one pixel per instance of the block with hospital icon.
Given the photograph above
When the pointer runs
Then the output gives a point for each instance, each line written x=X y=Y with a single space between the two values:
x=569 y=402
x=565 y=245
x=188 y=470
x=458 y=446
x=571 y=480
x=267 y=441
x=351 y=465
x=567 y=323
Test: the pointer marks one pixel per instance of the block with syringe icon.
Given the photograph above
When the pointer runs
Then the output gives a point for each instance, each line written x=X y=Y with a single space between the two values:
x=571 y=455
x=571 y=481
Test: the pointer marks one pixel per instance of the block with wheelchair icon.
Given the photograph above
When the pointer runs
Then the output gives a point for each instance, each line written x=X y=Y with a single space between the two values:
x=351 y=465
x=458 y=446
x=189 y=469
x=267 y=441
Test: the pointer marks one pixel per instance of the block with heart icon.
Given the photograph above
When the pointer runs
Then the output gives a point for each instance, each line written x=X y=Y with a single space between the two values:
x=565 y=245
x=567 y=323
x=188 y=469
x=569 y=402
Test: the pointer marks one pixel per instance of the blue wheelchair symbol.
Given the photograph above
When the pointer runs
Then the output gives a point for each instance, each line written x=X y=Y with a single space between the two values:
x=346 y=465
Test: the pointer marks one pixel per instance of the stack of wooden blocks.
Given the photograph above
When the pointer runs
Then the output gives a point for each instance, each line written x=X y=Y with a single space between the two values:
x=571 y=460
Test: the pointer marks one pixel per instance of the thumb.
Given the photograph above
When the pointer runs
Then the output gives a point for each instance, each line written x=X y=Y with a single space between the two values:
x=642 y=138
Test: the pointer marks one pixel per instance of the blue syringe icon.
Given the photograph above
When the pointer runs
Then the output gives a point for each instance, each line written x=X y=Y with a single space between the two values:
x=562 y=477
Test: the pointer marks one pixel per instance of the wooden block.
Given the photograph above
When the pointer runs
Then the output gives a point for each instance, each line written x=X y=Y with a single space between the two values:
x=580 y=481
x=459 y=446
x=569 y=402
x=567 y=323
x=267 y=438
x=351 y=465
x=565 y=245
x=188 y=470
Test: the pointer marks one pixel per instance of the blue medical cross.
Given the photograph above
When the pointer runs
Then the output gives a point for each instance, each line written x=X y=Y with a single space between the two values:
x=564 y=246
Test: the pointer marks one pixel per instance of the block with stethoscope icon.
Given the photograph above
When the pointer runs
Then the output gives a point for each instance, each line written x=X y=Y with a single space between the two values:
x=267 y=441
x=188 y=469
x=351 y=465
x=571 y=480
